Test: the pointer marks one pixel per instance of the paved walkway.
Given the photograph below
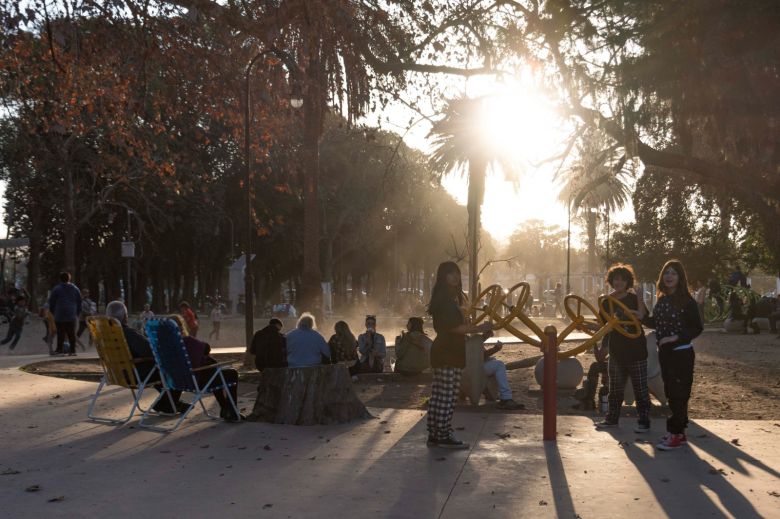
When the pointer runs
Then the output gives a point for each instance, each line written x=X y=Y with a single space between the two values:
x=377 y=468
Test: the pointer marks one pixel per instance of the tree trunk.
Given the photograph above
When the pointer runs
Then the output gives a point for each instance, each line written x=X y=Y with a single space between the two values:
x=476 y=196
x=33 y=266
x=591 y=220
x=69 y=227
x=313 y=120
x=317 y=395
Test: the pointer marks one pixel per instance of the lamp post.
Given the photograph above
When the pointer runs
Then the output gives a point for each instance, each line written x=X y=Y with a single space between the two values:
x=568 y=248
x=295 y=102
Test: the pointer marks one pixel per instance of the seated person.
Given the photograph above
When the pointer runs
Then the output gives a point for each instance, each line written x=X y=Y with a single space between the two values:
x=496 y=368
x=198 y=352
x=413 y=349
x=587 y=393
x=269 y=346
x=372 y=348
x=343 y=347
x=305 y=346
x=763 y=308
x=140 y=349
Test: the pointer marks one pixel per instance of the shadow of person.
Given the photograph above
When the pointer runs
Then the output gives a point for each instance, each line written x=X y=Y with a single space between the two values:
x=728 y=453
x=683 y=482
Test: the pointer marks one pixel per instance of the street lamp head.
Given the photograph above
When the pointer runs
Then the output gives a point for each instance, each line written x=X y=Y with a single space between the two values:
x=296 y=96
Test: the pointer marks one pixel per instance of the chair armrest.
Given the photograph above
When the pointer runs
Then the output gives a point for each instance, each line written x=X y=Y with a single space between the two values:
x=143 y=359
x=216 y=365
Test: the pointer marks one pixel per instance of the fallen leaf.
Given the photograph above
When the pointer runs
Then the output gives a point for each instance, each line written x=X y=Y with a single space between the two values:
x=441 y=459
x=665 y=480
x=701 y=435
x=9 y=472
x=55 y=499
x=267 y=505
x=383 y=422
x=503 y=436
x=773 y=494
x=55 y=397
x=460 y=428
x=735 y=441
x=267 y=448
x=205 y=446
x=542 y=503
x=313 y=458
x=32 y=488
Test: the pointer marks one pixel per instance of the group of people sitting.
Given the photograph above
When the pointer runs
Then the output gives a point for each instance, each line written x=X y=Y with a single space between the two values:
x=199 y=354
x=304 y=346
x=741 y=317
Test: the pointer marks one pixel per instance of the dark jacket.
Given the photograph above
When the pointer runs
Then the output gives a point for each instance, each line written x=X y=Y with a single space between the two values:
x=65 y=302
x=269 y=348
x=621 y=348
x=139 y=349
x=672 y=319
x=449 y=349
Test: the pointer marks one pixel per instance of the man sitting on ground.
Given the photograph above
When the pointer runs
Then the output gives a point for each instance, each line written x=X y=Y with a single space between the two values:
x=269 y=346
x=305 y=346
x=496 y=368
x=141 y=349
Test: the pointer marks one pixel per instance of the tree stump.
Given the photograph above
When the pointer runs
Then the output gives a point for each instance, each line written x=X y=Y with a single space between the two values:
x=316 y=395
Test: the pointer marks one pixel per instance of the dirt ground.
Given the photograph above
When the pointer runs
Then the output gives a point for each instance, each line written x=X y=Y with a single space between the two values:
x=736 y=377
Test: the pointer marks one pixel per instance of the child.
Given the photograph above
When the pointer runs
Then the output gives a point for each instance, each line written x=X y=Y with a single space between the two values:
x=216 y=320
x=676 y=321
x=627 y=357
x=50 y=326
x=20 y=313
x=190 y=317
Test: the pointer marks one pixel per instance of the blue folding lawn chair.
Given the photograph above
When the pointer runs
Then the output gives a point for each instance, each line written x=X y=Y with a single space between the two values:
x=177 y=373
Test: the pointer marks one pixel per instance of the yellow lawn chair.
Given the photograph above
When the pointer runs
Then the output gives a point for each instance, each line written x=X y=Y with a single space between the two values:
x=119 y=366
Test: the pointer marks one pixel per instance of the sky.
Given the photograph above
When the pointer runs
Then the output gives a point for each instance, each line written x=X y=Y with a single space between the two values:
x=521 y=121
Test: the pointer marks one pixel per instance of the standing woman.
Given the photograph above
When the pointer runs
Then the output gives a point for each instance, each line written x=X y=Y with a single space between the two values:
x=448 y=307
x=627 y=357
x=676 y=321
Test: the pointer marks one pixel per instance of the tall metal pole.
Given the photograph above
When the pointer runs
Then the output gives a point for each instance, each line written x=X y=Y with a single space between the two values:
x=568 y=249
x=129 y=267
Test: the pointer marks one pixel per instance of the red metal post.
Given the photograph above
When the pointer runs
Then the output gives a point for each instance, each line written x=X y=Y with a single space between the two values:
x=550 y=384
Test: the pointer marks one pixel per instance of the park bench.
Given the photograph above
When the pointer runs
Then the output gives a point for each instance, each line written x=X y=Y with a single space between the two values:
x=177 y=372
x=119 y=366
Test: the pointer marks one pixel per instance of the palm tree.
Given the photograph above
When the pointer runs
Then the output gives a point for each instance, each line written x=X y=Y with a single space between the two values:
x=597 y=181
x=460 y=148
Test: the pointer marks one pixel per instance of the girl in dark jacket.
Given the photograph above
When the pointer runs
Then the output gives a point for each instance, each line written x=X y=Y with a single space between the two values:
x=448 y=307
x=676 y=321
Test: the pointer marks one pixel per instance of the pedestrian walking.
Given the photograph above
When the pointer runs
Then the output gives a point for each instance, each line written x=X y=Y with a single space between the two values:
x=65 y=305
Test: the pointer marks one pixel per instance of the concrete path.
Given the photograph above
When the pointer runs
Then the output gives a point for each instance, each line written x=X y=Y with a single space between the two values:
x=377 y=468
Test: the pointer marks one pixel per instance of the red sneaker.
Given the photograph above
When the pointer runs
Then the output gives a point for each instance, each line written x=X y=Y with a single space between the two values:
x=673 y=441
x=666 y=436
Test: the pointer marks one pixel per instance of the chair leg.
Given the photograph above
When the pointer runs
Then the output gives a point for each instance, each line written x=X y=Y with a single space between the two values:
x=105 y=419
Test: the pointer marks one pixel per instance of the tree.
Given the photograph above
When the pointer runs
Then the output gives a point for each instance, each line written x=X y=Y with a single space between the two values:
x=460 y=147
x=595 y=182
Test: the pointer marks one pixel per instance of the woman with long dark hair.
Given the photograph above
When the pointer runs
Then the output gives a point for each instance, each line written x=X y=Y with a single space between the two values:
x=676 y=321
x=449 y=308
x=343 y=347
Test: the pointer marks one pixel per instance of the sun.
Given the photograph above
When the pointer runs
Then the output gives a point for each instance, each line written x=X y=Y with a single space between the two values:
x=520 y=123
